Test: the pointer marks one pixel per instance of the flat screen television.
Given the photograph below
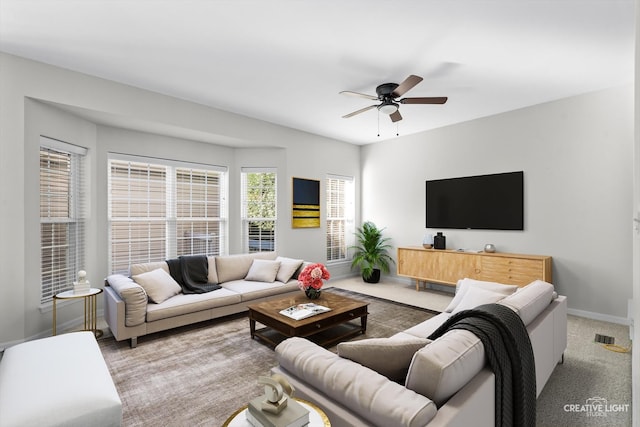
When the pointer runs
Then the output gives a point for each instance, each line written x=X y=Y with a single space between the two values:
x=483 y=202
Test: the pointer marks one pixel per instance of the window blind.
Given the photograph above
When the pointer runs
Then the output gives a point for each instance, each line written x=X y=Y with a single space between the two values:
x=340 y=213
x=160 y=210
x=259 y=207
x=63 y=212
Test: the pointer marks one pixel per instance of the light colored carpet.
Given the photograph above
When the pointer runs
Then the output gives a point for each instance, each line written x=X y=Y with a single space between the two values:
x=590 y=374
x=199 y=375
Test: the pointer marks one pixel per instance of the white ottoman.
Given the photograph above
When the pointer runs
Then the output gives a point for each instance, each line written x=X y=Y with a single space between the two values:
x=55 y=381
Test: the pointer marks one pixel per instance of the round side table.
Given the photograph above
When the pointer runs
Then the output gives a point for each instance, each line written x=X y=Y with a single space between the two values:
x=317 y=417
x=90 y=308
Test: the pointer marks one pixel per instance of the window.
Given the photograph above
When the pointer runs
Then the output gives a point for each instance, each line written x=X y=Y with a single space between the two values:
x=340 y=216
x=62 y=215
x=162 y=210
x=258 y=210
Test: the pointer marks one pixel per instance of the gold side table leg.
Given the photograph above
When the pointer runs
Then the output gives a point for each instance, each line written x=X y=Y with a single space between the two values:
x=94 y=316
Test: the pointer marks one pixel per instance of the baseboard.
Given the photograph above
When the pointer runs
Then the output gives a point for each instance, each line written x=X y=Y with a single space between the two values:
x=599 y=316
x=73 y=324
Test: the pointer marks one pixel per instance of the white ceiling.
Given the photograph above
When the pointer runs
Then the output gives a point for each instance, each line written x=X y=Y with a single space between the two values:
x=285 y=61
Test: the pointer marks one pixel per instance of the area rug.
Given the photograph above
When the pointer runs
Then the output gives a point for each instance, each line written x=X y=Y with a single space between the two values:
x=198 y=375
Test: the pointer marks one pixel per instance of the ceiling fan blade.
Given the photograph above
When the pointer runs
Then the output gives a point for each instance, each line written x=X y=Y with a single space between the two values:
x=395 y=117
x=361 y=95
x=424 y=100
x=407 y=84
x=362 y=110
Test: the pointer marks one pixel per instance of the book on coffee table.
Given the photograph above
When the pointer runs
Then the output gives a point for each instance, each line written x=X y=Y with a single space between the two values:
x=302 y=311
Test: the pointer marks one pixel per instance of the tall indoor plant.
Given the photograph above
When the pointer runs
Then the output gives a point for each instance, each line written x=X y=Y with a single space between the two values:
x=371 y=252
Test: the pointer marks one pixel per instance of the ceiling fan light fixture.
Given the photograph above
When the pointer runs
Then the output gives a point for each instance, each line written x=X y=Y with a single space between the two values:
x=388 y=108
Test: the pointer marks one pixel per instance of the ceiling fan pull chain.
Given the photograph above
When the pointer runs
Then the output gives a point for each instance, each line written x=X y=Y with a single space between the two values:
x=378 y=123
x=397 y=128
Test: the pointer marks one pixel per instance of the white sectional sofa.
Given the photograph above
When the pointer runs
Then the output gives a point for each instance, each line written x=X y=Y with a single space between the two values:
x=407 y=380
x=148 y=300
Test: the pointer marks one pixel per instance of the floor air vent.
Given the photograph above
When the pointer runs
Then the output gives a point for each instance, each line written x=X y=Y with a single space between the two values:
x=604 y=339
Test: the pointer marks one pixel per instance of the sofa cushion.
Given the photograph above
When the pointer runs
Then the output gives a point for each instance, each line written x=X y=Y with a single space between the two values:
x=191 y=304
x=531 y=300
x=288 y=267
x=477 y=296
x=136 y=269
x=158 y=284
x=446 y=365
x=236 y=267
x=263 y=270
x=134 y=297
x=358 y=388
x=212 y=274
x=250 y=290
x=427 y=327
x=463 y=286
x=387 y=356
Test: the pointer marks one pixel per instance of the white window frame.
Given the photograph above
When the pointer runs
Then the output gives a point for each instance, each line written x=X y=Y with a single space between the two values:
x=250 y=240
x=171 y=219
x=343 y=216
x=57 y=275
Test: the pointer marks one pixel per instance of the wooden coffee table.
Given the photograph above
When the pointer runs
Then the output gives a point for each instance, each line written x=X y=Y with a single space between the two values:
x=324 y=329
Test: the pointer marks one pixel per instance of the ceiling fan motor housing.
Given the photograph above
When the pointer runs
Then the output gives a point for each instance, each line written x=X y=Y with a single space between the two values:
x=385 y=91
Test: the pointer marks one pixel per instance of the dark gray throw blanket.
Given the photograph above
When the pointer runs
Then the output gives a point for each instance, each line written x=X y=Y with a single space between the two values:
x=510 y=356
x=191 y=272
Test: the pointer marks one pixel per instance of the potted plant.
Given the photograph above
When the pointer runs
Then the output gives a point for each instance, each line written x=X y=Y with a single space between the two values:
x=371 y=252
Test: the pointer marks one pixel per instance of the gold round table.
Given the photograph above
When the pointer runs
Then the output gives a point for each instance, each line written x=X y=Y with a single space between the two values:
x=317 y=417
x=90 y=308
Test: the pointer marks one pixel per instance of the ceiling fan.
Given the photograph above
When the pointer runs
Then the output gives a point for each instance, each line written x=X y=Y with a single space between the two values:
x=388 y=94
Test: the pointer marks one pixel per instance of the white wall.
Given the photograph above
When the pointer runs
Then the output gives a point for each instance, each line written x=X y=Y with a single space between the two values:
x=35 y=101
x=576 y=155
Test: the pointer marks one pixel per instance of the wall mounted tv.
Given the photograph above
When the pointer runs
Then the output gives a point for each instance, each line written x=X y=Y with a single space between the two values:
x=484 y=202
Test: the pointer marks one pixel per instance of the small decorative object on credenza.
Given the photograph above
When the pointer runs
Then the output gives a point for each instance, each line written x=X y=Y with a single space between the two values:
x=427 y=242
x=275 y=408
x=440 y=241
x=310 y=279
x=82 y=286
x=489 y=248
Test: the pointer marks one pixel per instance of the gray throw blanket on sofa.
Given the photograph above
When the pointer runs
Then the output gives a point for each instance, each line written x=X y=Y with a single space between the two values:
x=510 y=356
x=191 y=272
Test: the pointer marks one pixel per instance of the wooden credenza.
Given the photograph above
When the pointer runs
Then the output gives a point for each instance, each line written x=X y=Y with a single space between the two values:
x=448 y=266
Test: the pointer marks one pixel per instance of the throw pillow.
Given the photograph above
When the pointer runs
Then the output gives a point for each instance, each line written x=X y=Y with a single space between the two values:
x=531 y=300
x=158 y=284
x=464 y=285
x=387 y=356
x=288 y=266
x=443 y=367
x=263 y=270
x=477 y=296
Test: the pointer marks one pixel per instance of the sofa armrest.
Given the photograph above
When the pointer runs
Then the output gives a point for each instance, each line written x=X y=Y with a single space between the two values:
x=362 y=390
x=134 y=297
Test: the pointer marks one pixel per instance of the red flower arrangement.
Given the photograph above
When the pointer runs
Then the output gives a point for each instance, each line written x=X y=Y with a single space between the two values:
x=311 y=279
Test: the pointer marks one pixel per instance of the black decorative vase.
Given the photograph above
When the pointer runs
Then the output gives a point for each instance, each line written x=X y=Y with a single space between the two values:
x=374 y=278
x=439 y=241
x=312 y=293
